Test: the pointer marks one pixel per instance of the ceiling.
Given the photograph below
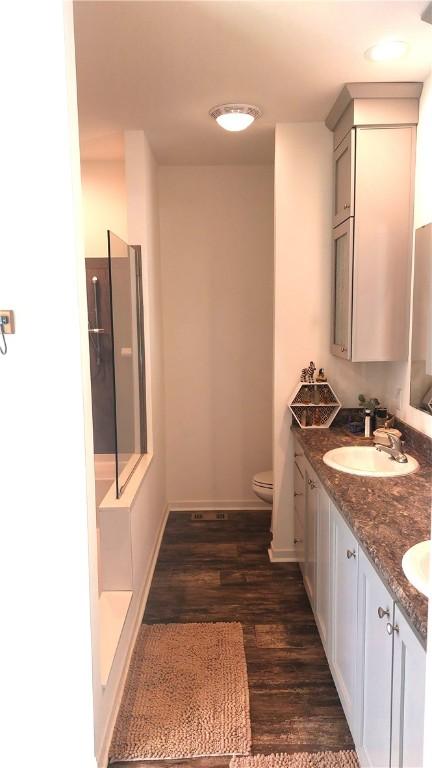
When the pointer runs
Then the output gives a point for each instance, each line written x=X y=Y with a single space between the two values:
x=160 y=66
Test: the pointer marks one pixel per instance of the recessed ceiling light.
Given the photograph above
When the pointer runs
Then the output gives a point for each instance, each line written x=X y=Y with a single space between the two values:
x=387 y=50
x=235 y=117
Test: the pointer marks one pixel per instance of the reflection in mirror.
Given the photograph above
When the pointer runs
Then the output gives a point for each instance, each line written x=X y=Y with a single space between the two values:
x=421 y=338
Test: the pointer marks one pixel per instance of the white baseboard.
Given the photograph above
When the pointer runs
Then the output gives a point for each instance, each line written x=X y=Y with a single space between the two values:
x=282 y=555
x=102 y=757
x=218 y=506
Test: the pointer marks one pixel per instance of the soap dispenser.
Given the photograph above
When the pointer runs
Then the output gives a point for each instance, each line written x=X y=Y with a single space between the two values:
x=367 y=427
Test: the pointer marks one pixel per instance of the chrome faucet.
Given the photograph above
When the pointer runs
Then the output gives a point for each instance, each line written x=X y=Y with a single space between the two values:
x=394 y=448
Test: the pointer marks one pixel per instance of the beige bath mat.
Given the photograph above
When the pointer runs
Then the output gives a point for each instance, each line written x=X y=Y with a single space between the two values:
x=341 y=759
x=186 y=694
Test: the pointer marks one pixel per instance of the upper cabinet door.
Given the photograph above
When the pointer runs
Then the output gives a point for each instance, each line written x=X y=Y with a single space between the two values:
x=344 y=179
x=342 y=289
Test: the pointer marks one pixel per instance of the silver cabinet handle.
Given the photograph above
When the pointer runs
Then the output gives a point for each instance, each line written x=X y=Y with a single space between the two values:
x=298 y=541
x=296 y=455
x=343 y=349
x=296 y=493
x=346 y=205
x=311 y=484
x=351 y=553
x=382 y=613
x=392 y=628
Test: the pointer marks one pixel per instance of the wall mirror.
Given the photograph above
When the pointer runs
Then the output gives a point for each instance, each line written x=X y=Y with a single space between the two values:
x=421 y=339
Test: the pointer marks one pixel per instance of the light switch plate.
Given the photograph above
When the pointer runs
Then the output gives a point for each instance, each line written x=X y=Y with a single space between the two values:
x=9 y=326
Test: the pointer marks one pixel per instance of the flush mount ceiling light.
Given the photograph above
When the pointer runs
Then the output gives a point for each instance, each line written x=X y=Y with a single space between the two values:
x=387 y=50
x=235 y=117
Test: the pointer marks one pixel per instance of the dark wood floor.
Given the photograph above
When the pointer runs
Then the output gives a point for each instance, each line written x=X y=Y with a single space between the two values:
x=220 y=571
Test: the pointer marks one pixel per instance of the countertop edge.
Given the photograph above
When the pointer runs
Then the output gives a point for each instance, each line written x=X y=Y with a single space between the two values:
x=415 y=622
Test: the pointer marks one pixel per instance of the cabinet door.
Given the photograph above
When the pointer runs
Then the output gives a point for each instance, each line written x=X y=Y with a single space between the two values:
x=344 y=618
x=323 y=566
x=409 y=670
x=383 y=243
x=343 y=167
x=374 y=668
x=342 y=289
x=299 y=511
x=309 y=571
x=299 y=503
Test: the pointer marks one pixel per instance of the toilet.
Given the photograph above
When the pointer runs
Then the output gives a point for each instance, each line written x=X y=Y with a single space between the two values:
x=262 y=485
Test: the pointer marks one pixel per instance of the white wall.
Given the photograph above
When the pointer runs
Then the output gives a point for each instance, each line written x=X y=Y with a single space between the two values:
x=46 y=676
x=104 y=203
x=149 y=505
x=303 y=225
x=217 y=279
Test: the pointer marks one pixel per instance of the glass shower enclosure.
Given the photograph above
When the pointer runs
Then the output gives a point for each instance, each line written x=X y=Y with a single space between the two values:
x=117 y=363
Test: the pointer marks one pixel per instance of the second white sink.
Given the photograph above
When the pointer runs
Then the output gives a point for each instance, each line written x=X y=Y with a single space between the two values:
x=415 y=564
x=367 y=461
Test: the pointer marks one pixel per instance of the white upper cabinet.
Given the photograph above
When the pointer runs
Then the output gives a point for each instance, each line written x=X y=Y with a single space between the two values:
x=383 y=233
x=374 y=162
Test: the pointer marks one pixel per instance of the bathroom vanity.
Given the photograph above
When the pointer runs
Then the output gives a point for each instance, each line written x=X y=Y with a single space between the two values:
x=351 y=534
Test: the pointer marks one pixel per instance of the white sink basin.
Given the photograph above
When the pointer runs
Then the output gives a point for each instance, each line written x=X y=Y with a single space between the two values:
x=415 y=564
x=367 y=461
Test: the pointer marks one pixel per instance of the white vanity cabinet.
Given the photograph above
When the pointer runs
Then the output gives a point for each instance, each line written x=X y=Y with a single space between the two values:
x=344 y=612
x=376 y=659
x=390 y=679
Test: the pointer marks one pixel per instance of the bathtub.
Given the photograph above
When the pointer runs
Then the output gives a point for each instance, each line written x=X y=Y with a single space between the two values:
x=105 y=469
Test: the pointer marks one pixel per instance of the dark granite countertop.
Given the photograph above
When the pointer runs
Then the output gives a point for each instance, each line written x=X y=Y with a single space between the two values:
x=387 y=515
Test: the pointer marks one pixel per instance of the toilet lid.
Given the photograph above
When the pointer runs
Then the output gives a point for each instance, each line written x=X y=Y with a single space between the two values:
x=264 y=479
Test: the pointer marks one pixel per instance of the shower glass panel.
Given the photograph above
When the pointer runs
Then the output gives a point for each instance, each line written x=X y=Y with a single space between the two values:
x=124 y=263
x=116 y=338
